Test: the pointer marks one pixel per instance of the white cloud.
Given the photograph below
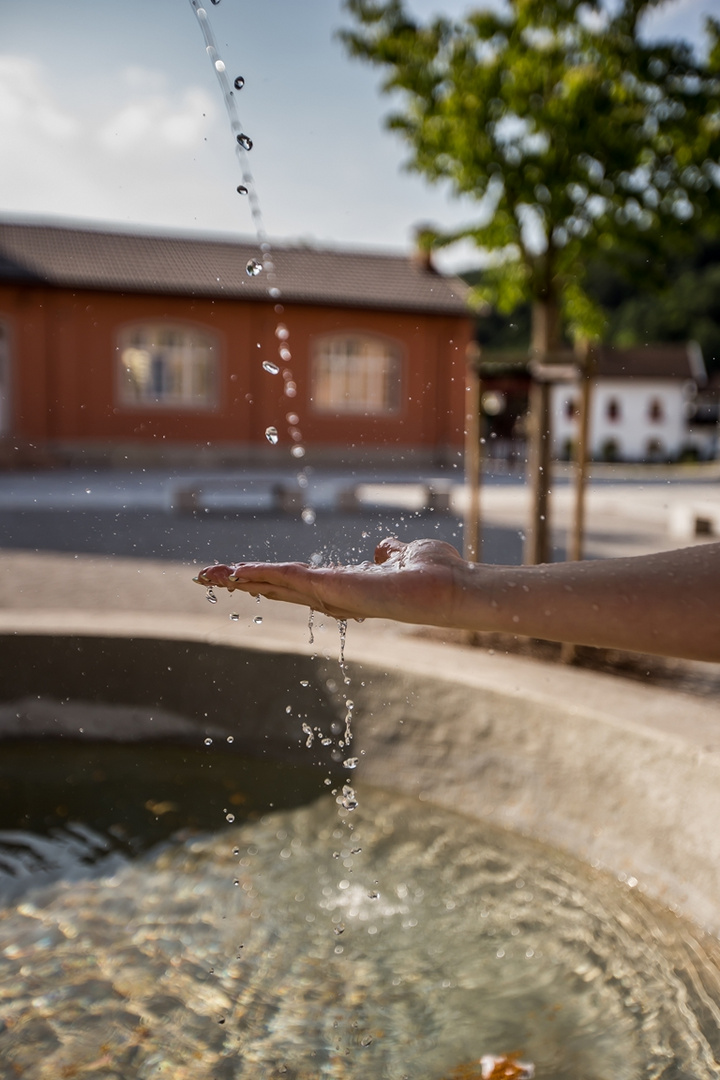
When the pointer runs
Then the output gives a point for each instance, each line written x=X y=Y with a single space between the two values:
x=129 y=151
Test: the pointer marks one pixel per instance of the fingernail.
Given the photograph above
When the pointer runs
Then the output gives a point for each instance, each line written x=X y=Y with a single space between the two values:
x=241 y=580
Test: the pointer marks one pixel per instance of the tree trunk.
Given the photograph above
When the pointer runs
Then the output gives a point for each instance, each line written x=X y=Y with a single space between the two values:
x=545 y=340
x=472 y=542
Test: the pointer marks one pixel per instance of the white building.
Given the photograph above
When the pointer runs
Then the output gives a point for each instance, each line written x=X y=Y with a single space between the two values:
x=642 y=406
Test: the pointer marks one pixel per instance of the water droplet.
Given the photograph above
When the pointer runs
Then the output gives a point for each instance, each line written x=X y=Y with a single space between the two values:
x=310 y=734
x=245 y=141
x=234 y=617
x=281 y=332
x=230 y=739
x=253 y=268
x=258 y=620
x=373 y=895
x=339 y=929
x=366 y=1040
x=291 y=391
x=304 y=682
x=308 y=515
x=208 y=741
x=272 y=369
x=271 y=435
x=236 y=882
x=356 y=851
x=212 y=598
x=293 y=418
x=239 y=82
x=222 y=1018
x=219 y=66
x=285 y=354
x=350 y=763
x=298 y=451
x=348 y=799
x=230 y=818
x=241 y=189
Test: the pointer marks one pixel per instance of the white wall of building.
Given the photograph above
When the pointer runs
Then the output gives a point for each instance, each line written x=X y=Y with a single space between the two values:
x=631 y=420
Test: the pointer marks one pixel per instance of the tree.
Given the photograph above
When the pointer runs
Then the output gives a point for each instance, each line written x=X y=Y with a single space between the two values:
x=574 y=136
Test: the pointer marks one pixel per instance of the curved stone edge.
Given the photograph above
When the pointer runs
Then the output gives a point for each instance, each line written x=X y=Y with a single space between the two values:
x=622 y=776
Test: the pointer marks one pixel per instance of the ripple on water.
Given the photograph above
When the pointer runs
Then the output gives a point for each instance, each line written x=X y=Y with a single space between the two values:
x=253 y=951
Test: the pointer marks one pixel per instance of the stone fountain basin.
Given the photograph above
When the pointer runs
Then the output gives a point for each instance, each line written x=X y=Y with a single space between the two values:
x=621 y=775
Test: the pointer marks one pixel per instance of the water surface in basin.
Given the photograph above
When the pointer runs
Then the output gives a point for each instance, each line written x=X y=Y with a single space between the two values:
x=277 y=948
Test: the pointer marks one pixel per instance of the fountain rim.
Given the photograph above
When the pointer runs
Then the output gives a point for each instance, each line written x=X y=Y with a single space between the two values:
x=621 y=775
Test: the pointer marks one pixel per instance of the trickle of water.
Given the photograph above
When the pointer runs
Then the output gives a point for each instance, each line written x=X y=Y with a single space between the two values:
x=308 y=515
x=272 y=369
x=310 y=734
x=271 y=434
x=258 y=620
x=253 y=268
x=239 y=82
x=211 y=597
x=245 y=141
x=311 y=622
x=342 y=628
x=241 y=189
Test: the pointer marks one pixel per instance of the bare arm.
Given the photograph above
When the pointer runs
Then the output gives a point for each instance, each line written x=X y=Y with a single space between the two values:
x=668 y=604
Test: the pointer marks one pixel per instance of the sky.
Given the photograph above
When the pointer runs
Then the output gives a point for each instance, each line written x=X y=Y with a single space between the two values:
x=111 y=114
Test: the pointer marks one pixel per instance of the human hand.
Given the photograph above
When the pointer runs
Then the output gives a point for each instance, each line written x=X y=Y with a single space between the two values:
x=417 y=582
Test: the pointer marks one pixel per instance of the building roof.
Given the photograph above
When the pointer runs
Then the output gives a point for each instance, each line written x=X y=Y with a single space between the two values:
x=671 y=360
x=62 y=256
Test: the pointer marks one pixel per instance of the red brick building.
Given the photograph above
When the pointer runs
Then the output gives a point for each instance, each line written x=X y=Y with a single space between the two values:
x=149 y=346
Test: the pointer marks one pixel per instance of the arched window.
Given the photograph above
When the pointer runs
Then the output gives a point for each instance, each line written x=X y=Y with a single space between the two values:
x=612 y=409
x=164 y=365
x=656 y=413
x=356 y=374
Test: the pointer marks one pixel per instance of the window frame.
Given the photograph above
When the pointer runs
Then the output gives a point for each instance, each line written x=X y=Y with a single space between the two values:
x=192 y=371
x=345 y=408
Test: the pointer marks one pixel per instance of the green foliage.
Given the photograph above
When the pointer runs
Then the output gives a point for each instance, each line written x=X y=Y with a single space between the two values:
x=573 y=136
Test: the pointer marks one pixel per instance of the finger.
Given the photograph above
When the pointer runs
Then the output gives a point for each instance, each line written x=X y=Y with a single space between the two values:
x=217 y=574
x=387 y=548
